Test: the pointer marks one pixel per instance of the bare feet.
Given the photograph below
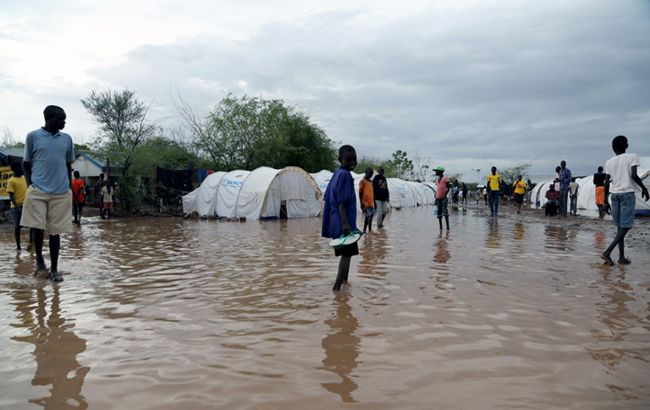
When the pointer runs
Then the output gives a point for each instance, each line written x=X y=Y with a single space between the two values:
x=607 y=259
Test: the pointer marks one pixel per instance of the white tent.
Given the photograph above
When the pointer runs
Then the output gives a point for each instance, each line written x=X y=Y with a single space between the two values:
x=264 y=190
x=256 y=194
x=401 y=194
x=428 y=193
x=322 y=179
x=431 y=186
x=538 y=194
x=228 y=193
x=203 y=200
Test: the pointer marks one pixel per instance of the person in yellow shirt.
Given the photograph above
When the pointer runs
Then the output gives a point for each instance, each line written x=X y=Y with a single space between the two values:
x=493 y=186
x=367 y=199
x=17 y=188
x=520 y=191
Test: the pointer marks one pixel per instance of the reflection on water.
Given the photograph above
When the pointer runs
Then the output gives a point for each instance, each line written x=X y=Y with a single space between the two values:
x=164 y=313
x=617 y=317
x=493 y=238
x=341 y=348
x=56 y=347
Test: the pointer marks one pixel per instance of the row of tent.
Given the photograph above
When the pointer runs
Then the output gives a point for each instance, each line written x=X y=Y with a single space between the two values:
x=587 y=192
x=267 y=193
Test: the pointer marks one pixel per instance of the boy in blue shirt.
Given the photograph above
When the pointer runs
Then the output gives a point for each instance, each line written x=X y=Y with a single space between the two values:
x=340 y=211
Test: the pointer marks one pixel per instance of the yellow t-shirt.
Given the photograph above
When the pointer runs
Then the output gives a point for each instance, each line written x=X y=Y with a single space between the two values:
x=494 y=181
x=520 y=187
x=18 y=186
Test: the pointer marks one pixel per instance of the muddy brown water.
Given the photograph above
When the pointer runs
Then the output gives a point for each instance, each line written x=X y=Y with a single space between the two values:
x=510 y=313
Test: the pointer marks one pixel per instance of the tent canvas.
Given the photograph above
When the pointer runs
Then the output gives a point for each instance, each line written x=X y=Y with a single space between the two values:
x=322 y=179
x=265 y=189
x=203 y=200
x=228 y=193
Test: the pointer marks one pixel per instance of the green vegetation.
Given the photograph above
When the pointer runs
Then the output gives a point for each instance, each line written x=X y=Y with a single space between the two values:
x=246 y=133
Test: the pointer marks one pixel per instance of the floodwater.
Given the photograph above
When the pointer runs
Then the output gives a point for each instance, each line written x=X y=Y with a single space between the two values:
x=168 y=313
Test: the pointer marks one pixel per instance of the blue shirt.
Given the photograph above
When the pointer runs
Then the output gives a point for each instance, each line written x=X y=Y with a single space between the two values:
x=49 y=155
x=339 y=191
x=565 y=178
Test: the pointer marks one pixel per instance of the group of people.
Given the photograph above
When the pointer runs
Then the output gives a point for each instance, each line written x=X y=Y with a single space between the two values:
x=562 y=193
x=42 y=193
x=339 y=214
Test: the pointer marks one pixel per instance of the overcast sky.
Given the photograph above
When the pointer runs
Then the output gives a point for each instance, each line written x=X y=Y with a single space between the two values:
x=464 y=84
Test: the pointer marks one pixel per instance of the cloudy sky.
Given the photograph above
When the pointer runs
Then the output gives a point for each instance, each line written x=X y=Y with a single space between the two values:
x=464 y=84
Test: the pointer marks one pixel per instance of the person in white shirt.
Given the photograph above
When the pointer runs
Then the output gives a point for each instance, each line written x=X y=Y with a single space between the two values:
x=622 y=169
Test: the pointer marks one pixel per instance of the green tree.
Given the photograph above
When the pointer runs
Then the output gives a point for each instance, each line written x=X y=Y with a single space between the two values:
x=294 y=141
x=163 y=152
x=401 y=165
x=248 y=132
x=123 y=126
x=374 y=163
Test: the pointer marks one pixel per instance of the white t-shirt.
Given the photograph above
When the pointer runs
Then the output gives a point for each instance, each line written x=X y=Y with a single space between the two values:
x=619 y=168
x=107 y=196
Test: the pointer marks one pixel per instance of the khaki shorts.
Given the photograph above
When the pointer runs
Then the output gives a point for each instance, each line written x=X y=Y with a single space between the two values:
x=52 y=213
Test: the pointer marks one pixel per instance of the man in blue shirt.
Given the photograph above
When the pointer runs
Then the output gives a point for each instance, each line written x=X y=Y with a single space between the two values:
x=340 y=211
x=47 y=163
x=565 y=182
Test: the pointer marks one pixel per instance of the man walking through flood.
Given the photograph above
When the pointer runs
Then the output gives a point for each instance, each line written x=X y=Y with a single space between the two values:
x=520 y=191
x=47 y=163
x=78 y=198
x=493 y=187
x=442 y=187
x=622 y=170
x=565 y=182
x=382 y=196
x=367 y=200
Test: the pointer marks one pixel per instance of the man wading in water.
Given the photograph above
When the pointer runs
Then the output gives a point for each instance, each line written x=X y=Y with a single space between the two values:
x=340 y=211
x=442 y=187
x=382 y=196
x=47 y=162
x=622 y=170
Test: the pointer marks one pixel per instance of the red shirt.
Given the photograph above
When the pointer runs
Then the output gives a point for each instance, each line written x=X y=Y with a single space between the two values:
x=552 y=195
x=78 y=190
x=441 y=188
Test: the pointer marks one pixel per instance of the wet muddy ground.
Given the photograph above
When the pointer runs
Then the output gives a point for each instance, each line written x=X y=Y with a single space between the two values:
x=165 y=313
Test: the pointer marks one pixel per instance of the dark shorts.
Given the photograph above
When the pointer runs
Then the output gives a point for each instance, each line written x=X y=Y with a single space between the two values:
x=441 y=204
x=623 y=209
x=347 y=250
x=519 y=198
x=16 y=213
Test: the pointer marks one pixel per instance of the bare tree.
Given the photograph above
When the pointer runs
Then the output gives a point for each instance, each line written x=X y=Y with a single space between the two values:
x=7 y=138
x=122 y=119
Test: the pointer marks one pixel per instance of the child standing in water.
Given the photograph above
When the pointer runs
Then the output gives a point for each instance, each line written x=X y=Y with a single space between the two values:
x=367 y=199
x=340 y=211
x=107 y=199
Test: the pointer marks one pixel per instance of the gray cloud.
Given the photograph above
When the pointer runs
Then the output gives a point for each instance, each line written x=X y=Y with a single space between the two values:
x=491 y=84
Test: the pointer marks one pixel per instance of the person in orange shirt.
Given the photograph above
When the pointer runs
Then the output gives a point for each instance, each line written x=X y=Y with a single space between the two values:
x=367 y=200
x=78 y=197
